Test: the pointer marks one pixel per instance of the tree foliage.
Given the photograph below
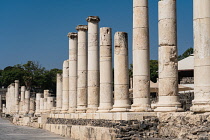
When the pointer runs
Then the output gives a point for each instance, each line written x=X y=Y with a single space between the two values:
x=32 y=75
x=187 y=53
x=153 y=70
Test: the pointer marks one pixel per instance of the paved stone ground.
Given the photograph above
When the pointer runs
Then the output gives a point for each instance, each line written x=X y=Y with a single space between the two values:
x=9 y=131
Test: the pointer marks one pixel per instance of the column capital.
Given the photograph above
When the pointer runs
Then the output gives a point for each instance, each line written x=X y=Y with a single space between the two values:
x=82 y=28
x=93 y=19
x=72 y=35
x=16 y=81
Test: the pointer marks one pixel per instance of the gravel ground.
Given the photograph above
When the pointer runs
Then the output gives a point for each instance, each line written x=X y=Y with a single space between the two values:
x=9 y=131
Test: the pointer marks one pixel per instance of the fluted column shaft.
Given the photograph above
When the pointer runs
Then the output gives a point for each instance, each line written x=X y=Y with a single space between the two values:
x=106 y=79
x=59 y=92
x=201 y=27
x=41 y=105
x=65 y=93
x=141 y=70
x=38 y=97
x=93 y=63
x=46 y=94
x=27 y=102
x=16 y=96
x=72 y=71
x=32 y=106
x=168 y=64
x=82 y=69
x=121 y=79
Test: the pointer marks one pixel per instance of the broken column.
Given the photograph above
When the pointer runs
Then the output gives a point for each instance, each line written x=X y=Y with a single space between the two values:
x=27 y=102
x=32 y=106
x=121 y=80
x=65 y=93
x=0 y=103
x=16 y=96
x=46 y=94
x=59 y=92
x=22 y=98
x=72 y=72
x=141 y=69
x=50 y=103
x=93 y=64
x=201 y=26
x=41 y=105
x=106 y=79
x=168 y=64
x=82 y=69
x=38 y=97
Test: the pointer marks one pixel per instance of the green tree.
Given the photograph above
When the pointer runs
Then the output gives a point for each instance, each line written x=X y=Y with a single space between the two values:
x=187 y=53
x=153 y=70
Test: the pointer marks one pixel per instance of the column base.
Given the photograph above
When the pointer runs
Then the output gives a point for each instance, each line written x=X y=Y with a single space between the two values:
x=92 y=109
x=72 y=110
x=104 y=109
x=141 y=105
x=168 y=104
x=200 y=106
x=81 y=109
x=121 y=106
x=64 y=111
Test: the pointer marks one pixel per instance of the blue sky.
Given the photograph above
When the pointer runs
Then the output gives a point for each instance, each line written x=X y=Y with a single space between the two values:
x=37 y=30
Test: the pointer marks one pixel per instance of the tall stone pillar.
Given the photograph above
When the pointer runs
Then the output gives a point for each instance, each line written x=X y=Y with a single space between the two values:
x=82 y=69
x=22 y=98
x=38 y=97
x=141 y=69
x=27 y=102
x=106 y=79
x=168 y=64
x=32 y=106
x=46 y=94
x=72 y=72
x=59 y=92
x=201 y=26
x=65 y=93
x=16 y=96
x=12 y=98
x=121 y=78
x=0 y=103
x=93 y=64
x=41 y=105
x=50 y=103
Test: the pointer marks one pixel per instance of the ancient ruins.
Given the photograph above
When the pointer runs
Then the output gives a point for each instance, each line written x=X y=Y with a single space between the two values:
x=91 y=104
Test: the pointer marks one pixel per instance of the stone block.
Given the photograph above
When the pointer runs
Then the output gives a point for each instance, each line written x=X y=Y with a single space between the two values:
x=26 y=120
x=106 y=116
x=67 y=116
x=82 y=115
x=96 y=115
x=89 y=115
x=61 y=115
x=117 y=116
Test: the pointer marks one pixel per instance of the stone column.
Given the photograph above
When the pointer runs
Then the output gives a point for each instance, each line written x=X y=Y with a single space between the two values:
x=16 y=96
x=65 y=94
x=121 y=78
x=12 y=98
x=46 y=94
x=0 y=103
x=72 y=72
x=41 y=105
x=50 y=103
x=131 y=83
x=59 y=92
x=141 y=69
x=32 y=106
x=27 y=102
x=106 y=79
x=93 y=64
x=82 y=69
x=38 y=97
x=201 y=26
x=168 y=64
x=22 y=98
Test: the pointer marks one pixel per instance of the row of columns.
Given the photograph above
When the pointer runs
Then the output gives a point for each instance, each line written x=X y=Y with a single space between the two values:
x=82 y=88
x=168 y=63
